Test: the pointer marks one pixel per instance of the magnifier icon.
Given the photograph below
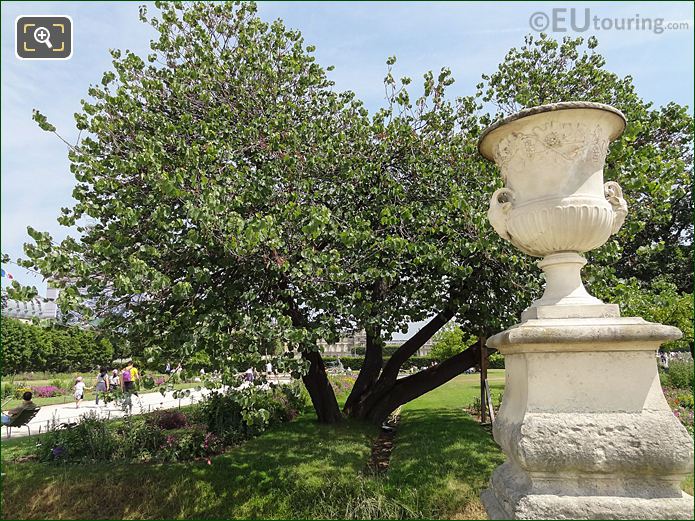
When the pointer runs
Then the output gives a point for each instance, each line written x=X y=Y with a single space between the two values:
x=43 y=35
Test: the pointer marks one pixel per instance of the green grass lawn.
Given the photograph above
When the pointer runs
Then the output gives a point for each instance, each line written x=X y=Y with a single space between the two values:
x=300 y=470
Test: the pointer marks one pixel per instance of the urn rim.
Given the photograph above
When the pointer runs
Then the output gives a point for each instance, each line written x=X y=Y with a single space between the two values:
x=551 y=107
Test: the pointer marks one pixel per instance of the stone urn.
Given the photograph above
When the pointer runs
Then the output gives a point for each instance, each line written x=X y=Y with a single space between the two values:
x=554 y=203
x=584 y=423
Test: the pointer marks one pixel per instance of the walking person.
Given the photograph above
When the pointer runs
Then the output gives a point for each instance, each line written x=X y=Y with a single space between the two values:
x=114 y=380
x=176 y=374
x=127 y=387
x=102 y=385
x=135 y=377
x=79 y=391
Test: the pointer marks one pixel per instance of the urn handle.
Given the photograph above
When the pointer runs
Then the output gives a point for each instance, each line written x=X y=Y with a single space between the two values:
x=614 y=195
x=500 y=206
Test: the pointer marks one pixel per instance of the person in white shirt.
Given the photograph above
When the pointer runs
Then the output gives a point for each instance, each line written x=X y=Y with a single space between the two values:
x=79 y=391
x=115 y=380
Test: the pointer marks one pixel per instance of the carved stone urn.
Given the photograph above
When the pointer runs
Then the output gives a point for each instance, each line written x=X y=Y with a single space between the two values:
x=584 y=423
x=554 y=203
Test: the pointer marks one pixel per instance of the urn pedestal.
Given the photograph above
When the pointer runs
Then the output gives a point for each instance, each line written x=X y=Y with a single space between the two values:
x=584 y=424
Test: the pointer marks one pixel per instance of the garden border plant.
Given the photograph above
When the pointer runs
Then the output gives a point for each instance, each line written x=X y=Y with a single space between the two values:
x=222 y=420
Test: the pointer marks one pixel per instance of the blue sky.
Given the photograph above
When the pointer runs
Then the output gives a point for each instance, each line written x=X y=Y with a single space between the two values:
x=356 y=37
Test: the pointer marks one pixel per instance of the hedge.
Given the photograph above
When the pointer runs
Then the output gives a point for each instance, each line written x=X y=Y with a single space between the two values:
x=56 y=349
x=355 y=362
x=681 y=374
x=496 y=361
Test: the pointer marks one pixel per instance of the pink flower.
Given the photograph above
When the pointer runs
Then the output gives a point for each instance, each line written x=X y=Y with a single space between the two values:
x=209 y=462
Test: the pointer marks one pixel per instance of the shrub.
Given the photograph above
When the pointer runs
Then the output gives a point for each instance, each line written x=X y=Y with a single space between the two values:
x=222 y=419
x=496 y=361
x=235 y=416
x=682 y=406
x=190 y=444
x=169 y=420
x=60 y=383
x=686 y=400
x=664 y=377
x=89 y=440
x=7 y=390
x=222 y=414
x=138 y=436
x=388 y=350
x=292 y=399
x=19 y=391
x=681 y=374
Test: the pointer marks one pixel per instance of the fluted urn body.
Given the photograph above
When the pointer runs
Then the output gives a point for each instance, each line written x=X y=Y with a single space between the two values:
x=554 y=203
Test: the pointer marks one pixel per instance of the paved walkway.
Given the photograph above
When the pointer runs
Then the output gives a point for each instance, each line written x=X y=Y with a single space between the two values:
x=68 y=413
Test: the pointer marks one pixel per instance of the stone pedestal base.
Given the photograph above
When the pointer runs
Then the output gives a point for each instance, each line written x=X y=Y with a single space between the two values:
x=585 y=426
x=513 y=495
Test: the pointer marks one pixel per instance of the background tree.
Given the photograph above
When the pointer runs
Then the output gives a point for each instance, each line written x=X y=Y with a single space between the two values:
x=51 y=348
x=195 y=194
x=449 y=341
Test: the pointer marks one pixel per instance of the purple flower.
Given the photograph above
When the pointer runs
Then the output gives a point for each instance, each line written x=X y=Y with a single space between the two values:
x=57 y=452
x=46 y=391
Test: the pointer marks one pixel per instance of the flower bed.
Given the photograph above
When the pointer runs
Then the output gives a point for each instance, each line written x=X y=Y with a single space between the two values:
x=681 y=403
x=47 y=391
x=222 y=420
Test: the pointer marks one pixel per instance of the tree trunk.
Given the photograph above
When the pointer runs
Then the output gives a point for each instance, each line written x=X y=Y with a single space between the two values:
x=316 y=380
x=483 y=376
x=372 y=395
x=373 y=361
x=410 y=387
x=320 y=390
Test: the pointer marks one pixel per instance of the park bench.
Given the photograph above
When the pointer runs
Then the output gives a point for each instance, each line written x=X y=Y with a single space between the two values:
x=22 y=420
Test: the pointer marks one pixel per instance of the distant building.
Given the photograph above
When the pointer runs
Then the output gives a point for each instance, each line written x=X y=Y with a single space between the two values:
x=424 y=348
x=354 y=345
x=41 y=308
x=346 y=346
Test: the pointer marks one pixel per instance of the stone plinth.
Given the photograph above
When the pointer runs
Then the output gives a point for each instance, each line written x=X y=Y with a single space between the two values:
x=585 y=426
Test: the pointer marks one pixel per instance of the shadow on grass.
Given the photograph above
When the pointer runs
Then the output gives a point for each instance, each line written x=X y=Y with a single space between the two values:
x=447 y=457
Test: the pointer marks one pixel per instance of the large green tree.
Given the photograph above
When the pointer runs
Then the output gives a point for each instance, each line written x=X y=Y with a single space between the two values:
x=229 y=198
x=195 y=192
